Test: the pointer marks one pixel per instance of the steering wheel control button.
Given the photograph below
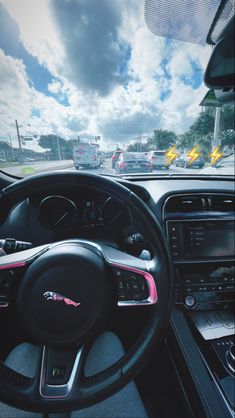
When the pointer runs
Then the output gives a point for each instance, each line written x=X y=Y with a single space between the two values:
x=64 y=295
x=132 y=286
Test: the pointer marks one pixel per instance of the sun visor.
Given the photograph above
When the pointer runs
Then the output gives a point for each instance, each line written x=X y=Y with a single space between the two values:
x=182 y=20
x=221 y=22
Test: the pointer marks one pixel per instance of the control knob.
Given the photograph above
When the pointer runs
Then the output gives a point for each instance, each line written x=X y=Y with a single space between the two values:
x=190 y=301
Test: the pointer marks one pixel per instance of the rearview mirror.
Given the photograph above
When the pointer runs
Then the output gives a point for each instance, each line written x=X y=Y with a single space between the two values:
x=220 y=72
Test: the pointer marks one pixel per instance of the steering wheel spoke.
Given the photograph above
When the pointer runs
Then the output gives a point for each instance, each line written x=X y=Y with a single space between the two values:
x=21 y=258
x=59 y=371
x=136 y=286
x=12 y=267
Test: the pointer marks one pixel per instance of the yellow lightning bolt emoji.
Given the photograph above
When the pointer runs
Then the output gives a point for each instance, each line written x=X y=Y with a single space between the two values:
x=171 y=155
x=215 y=155
x=193 y=154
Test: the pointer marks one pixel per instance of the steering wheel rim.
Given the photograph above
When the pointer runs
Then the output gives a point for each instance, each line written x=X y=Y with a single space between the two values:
x=14 y=388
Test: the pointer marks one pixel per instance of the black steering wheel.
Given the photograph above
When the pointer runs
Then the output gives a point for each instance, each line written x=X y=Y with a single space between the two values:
x=66 y=289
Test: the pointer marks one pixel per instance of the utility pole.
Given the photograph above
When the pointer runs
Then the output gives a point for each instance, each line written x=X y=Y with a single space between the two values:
x=10 y=141
x=140 y=143
x=216 y=140
x=19 y=142
x=58 y=148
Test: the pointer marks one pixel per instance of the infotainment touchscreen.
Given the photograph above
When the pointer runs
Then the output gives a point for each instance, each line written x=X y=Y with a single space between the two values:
x=209 y=239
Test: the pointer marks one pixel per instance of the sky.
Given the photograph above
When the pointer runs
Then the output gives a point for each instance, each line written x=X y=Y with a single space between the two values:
x=93 y=68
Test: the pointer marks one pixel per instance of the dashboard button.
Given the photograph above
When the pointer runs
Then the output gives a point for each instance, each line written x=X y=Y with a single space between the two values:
x=122 y=296
x=119 y=273
x=137 y=296
x=229 y=287
x=120 y=283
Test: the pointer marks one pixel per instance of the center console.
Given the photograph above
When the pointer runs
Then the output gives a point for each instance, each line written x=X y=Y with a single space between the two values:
x=200 y=232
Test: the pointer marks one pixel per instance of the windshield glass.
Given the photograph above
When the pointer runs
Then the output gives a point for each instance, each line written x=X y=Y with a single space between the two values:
x=83 y=79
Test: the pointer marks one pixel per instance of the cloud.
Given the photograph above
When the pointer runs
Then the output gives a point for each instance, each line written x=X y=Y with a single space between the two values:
x=110 y=75
x=38 y=34
x=89 y=33
x=21 y=101
x=15 y=93
x=147 y=54
x=131 y=126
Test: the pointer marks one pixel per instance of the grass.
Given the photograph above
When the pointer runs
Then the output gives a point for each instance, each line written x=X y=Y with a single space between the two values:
x=8 y=164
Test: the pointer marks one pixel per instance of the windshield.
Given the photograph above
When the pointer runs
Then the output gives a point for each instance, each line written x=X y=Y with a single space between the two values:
x=83 y=79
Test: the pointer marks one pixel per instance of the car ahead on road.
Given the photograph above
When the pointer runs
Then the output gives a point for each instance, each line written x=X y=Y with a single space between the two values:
x=115 y=157
x=133 y=162
x=158 y=159
x=85 y=155
x=224 y=167
x=101 y=156
x=185 y=161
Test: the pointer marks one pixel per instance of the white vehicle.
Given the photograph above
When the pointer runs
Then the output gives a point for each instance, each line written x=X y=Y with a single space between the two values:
x=224 y=167
x=85 y=156
x=158 y=159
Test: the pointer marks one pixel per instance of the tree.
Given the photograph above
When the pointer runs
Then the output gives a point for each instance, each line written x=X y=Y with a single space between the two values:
x=204 y=124
x=227 y=118
x=136 y=147
x=185 y=140
x=5 y=150
x=227 y=137
x=58 y=146
x=4 y=146
x=162 y=139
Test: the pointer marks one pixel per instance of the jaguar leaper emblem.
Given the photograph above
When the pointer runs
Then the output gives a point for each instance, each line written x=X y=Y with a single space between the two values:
x=56 y=297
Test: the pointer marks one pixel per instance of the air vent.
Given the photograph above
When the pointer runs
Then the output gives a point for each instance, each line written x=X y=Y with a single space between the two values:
x=185 y=204
x=221 y=203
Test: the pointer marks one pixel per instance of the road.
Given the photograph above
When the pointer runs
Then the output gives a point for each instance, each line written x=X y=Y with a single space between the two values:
x=24 y=170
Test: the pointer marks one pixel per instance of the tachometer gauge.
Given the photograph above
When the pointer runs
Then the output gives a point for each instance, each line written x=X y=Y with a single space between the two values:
x=58 y=212
x=112 y=212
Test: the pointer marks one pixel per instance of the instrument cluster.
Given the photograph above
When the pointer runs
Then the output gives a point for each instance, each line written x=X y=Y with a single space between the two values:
x=57 y=212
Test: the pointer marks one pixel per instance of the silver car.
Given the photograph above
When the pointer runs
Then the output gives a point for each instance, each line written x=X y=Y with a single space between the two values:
x=133 y=162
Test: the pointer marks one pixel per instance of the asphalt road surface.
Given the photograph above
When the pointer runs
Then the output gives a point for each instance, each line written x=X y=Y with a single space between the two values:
x=29 y=168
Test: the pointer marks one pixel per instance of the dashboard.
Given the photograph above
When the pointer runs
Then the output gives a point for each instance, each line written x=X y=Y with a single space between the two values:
x=197 y=216
x=81 y=213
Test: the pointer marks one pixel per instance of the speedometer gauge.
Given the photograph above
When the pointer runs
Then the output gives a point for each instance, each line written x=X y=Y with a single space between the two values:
x=58 y=212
